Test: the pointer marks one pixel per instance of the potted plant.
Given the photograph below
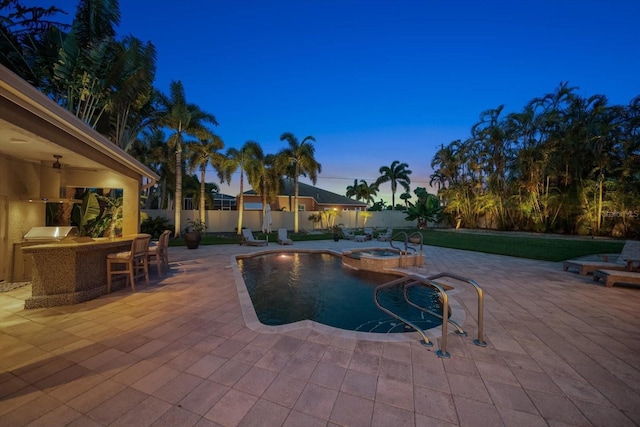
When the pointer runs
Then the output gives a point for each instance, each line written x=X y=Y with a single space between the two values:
x=414 y=238
x=193 y=233
x=337 y=233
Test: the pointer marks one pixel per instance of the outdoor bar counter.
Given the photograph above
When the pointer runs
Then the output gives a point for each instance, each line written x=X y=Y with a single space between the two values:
x=71 y=271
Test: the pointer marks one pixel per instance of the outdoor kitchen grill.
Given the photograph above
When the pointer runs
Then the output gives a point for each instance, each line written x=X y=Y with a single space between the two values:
x=50 y=234
x=23 y=263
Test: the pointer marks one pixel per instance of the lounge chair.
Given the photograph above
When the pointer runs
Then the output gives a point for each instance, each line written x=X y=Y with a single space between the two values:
x=348 y=234
x=368 y=232
x=248 y=239
x=283 y=239
x=386 y=236
x=612 y=277
x=629 y=259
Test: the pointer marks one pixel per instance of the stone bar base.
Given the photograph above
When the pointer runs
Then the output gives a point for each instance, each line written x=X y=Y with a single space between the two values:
x=71 y=272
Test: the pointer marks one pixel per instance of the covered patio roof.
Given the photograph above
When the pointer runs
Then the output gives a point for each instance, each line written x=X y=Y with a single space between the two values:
x=34 y=128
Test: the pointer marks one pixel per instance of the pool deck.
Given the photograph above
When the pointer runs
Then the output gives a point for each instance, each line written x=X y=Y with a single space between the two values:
x=562 y=350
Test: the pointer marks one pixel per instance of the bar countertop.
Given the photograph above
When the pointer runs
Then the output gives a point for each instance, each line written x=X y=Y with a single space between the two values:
x=81 y=242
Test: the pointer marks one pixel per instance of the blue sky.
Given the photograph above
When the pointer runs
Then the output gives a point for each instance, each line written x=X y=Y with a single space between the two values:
x=377 y=81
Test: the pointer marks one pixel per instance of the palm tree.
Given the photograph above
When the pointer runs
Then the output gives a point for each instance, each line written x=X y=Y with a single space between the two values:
x=301 y=161
x=366 y=192
x=105 y=82
x=490 y=133
x=265 y=176
x=244 y=160
x=85 y=72
x=258 y=175
x=274 y=170
x=396 y=174
x=182 y=119
x=131 y=105
x=447 y=164
x=200 y=155
x=352 y=190
x=152 y=151
x=30 y=37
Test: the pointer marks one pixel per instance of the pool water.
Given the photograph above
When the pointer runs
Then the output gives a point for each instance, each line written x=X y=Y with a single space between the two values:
x=289 y=287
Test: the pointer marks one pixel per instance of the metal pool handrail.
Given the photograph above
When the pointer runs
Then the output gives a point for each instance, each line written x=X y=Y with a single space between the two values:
x=480 y=341
x=406 y=243
x=398 y=235
x=412 y=280
x=459 y=329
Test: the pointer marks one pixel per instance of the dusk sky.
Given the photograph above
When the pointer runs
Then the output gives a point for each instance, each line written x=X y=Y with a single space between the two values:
x=378 y=81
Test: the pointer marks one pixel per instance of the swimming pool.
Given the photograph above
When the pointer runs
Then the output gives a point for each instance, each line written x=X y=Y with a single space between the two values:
x=288 y=287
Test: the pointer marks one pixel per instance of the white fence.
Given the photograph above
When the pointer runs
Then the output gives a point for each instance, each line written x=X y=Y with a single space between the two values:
x=227 y=221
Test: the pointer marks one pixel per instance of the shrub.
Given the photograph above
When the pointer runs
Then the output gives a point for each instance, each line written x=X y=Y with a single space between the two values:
x=155 y=226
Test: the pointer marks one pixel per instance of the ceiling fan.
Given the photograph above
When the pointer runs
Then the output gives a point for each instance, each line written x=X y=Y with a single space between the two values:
x=58 y=165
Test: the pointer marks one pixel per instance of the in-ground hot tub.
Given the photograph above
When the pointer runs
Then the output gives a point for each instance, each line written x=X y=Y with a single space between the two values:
x=381 y=259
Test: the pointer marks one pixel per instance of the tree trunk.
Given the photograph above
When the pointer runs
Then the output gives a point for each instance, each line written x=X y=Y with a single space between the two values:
x=295 y=207
x=600 y=191
x=178 y=201
x=202 y=204
x=241 y=201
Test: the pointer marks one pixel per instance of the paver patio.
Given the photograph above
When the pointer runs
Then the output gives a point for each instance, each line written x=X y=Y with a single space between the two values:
x=562 y=350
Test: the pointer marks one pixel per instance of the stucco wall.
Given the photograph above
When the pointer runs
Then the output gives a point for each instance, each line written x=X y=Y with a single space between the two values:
x=227 y=221
x=18 y=179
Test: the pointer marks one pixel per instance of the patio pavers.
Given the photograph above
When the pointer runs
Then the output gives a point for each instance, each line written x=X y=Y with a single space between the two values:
x=561 y=350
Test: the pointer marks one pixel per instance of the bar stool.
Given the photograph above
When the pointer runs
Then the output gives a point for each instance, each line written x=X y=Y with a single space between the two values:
x=160 y=253
x=135 y=262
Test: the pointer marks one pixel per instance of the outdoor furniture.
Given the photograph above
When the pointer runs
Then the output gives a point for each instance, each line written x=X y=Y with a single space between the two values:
x=135 y=262
x=283 y=239
x=348 y=234
x=386 y=236
x=248 y=239
x=369 y=233
x=630 y=254
x=612 y=277
x=159 y=253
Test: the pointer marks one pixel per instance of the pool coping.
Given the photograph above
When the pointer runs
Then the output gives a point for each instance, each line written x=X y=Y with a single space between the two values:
x=458 y=314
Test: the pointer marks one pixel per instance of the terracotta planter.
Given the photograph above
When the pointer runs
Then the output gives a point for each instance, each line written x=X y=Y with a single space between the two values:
x=192 y=239
x=414 y=239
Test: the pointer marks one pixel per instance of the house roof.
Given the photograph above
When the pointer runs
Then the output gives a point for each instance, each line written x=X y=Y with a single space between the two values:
x=224 y=197
x=322 y=197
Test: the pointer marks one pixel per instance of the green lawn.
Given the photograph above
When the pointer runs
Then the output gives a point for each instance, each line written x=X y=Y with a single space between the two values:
x=533 y=247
